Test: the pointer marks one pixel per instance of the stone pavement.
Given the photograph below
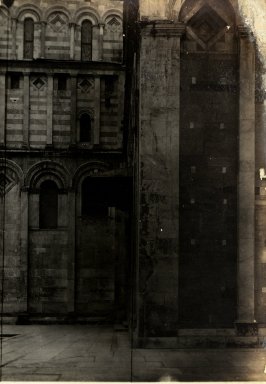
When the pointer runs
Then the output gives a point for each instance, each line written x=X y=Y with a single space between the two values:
x=95 y=353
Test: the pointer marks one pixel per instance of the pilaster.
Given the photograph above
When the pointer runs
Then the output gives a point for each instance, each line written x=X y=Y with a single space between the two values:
x=26 y=110
x=158 y=180
x=101 y=31
x=2 y=108
x=24 y=209
x=71 y=248
x=43 y=33
x=97 y=106
x=50 y=91
x=14 y=36
x=246 y=323
x=73 y=139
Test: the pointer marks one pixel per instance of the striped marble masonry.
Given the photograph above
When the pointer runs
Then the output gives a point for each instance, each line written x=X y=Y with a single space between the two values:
x=38 y=111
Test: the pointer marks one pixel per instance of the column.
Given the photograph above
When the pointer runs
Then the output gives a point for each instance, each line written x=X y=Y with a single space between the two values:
x=246 y=323
x=101 y=30
x=26 y=109
x=73 y=136
x=43 y=34
x=2 y=108
x=24 y=209
x=97 y=108
x=14 y=37
x=71 y=248
x=157 y=187
x=72 y=40
x=50 y=91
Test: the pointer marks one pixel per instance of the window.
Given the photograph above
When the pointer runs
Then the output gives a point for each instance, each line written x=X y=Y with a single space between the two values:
x=85 y=128
x=86 y=40
x=61 y=82
x=14 y=81
x=28 y=38
x=48 y=205
x=109 y=90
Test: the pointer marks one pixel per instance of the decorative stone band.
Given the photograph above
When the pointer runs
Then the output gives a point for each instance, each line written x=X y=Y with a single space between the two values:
x=162 y=28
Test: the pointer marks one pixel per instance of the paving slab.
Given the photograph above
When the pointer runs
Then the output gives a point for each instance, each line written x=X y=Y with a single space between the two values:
x=97 y=353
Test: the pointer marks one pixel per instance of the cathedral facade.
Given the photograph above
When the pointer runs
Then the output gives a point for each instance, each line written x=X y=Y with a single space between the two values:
x=132 y=181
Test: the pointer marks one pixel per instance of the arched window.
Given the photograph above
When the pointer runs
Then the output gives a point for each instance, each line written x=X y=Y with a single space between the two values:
x=86 y=40
x=85 y=128
x=28 y=38
x=48 y=205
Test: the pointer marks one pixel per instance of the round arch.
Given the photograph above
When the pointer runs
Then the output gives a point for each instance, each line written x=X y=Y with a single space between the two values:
x=55 y=9
x=91 y=168
x=112 y=12
x=47 y=170
x=13 y=167
x=29 y=10
x=87 y=13
x=223 y=8
x=11 y=173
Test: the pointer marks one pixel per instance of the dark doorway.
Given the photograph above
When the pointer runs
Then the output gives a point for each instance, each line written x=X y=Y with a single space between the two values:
x=103 y=249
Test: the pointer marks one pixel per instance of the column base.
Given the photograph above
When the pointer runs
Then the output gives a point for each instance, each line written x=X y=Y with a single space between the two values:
x=246 y=329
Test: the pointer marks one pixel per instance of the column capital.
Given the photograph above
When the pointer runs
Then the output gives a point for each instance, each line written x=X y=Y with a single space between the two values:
x=72 y=24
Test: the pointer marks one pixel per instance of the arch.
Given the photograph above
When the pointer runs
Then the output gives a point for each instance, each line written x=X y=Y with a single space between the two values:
x=87 y=13
x=29 y=10
x=4 y=13
x=89 y=111
x=112 y=12
x=223 y=8
x=10 y=175
x=55 y=9
x=14 y=167
x=91 y=168
x=47 y=170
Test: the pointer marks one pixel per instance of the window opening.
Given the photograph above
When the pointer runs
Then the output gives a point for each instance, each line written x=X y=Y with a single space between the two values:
x=86 y=40
x=85 y=128
x=48 y=205
x=15 y=81
x=28 y=38
x=62 y=82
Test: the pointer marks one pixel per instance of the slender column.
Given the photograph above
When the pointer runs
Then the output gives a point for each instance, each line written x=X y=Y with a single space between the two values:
x=97 y=107
x=43 y=34
x=71 y=247
x=50 y=91
x=24 y=209
x=101 y=29
x=2 y=108
x=73 y=138
x=14 y=33
x=246 y=324
x=26 y=110
x=72 y=27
